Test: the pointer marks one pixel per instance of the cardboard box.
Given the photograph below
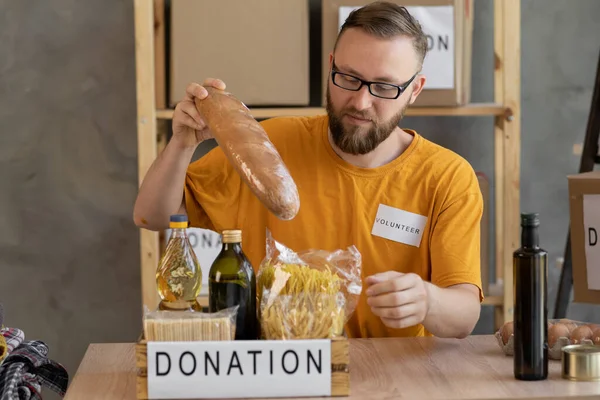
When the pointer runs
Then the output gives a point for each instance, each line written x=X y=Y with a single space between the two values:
x=447 y=65
x=485 y=233
x=259 y=48
x=584 y=209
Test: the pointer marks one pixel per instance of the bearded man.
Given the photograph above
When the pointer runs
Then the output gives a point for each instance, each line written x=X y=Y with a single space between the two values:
x=411 y=207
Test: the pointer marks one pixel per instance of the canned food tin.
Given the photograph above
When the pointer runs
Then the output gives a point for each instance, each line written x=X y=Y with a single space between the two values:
x=581 y=362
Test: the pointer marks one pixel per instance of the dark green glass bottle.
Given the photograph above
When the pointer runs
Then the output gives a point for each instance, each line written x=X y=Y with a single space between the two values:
x=232 y=282
x=530 y=269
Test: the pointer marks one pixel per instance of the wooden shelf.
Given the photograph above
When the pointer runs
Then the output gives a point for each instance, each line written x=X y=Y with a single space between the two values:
x=495 y=295
x=493 y=301
x=151 y=79
x=476 y=109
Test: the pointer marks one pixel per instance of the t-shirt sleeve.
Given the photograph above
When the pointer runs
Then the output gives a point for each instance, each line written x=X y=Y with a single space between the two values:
x=212 y=192
x=455 y=242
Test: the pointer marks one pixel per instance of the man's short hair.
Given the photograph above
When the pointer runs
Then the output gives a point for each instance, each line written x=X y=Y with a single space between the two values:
x=387 y=20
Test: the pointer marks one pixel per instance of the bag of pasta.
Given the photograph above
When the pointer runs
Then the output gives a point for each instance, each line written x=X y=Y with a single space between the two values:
x=309 y=294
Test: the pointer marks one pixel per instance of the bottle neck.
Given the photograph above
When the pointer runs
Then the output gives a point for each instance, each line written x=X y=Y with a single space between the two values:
x=530 y=237
x=232 y=247
x=178 y=233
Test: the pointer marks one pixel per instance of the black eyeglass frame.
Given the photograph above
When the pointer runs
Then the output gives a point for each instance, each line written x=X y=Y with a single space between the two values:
x=401 y=88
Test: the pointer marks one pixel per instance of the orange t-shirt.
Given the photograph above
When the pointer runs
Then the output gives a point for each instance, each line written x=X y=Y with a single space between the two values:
x=419 y=213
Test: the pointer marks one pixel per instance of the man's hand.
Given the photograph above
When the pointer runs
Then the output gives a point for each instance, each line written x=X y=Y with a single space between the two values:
x=403 y=300
x=189 y=129
x=400 y=300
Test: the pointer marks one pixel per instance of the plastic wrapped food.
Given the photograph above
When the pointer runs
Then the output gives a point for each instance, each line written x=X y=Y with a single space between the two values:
x=307 y=295
x=248 y=148
x=561 y=332
x=186 y=326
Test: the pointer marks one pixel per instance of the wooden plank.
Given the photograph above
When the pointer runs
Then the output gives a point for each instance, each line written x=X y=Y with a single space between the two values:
x=512 y=144
x=495 y=296
x=499 y=136
x=340 y=367
x=476 y=109
x=499 y=60
x=161 y=143
x=106 y=371
x=493 y=300
x=160 y=73
x=160 y=88
x=146 y=133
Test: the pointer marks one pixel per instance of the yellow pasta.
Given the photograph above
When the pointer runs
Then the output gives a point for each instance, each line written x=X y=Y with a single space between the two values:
x=300 y=302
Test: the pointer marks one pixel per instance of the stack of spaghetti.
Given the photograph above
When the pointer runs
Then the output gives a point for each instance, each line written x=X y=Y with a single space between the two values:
x=300 y=302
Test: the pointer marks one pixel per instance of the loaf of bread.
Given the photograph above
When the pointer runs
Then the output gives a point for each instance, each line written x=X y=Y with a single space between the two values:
x=248 y=148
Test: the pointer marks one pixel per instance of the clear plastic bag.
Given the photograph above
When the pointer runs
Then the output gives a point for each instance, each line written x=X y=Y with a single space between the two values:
x=561 y=332
x=307 y=295
x=189 y=326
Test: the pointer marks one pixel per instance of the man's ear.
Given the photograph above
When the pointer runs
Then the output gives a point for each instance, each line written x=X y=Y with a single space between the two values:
x=330 y=61
x=418 y=83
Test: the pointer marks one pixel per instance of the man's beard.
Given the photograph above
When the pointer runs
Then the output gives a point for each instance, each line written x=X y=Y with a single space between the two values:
x=354 y=140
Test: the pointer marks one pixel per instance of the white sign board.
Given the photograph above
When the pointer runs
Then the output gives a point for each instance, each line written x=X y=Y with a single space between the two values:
x=234 y=369
x=438 y=24
x=591 y=227
x=207 y=246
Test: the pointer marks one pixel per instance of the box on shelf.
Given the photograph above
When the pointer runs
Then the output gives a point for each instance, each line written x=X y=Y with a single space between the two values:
x=584 y=204
x=449 y=26
x=259 y=48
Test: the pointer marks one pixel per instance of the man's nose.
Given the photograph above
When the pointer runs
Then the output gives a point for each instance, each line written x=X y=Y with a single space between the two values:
x=362 y=99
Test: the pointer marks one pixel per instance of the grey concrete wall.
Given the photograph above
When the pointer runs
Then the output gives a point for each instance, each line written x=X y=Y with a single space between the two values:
x=69 y=266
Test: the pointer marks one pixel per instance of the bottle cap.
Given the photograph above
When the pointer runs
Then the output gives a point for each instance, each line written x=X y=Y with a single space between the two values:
x=232 y=236
x=178 y=221
x=530 y=219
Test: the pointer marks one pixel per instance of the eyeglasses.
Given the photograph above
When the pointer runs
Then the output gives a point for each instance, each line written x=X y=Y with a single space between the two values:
x=377 y=89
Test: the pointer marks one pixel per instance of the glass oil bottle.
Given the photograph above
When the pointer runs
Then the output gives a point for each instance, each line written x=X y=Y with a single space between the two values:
x=179 y=276
x=232 y=282
x=530 y=266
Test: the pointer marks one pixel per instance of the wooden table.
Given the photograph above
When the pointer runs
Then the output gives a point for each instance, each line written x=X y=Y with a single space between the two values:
x=410 y=368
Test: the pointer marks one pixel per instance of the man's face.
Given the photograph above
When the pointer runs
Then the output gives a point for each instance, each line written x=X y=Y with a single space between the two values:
x=359 y=121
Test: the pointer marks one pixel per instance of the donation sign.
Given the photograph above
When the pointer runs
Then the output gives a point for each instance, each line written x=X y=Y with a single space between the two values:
x=230 y=369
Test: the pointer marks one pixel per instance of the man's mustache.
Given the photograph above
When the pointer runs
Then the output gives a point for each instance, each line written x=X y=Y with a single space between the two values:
x=358 y=114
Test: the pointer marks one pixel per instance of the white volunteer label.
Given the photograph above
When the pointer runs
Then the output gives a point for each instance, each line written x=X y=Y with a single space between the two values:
x=591 y=229
x=229 y=369
x=438 y=24
x=399 y=225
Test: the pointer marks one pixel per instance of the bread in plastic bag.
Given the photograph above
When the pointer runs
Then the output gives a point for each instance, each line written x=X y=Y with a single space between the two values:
x=248 y=148
x=561 y=332
x=307 y=295
x=189 y=326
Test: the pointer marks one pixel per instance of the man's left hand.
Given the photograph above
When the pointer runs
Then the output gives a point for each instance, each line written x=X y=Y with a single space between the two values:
x=400 y=300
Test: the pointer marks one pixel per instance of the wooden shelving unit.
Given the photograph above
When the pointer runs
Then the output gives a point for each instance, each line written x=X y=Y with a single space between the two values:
x=477 y=109
x=153 y=115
